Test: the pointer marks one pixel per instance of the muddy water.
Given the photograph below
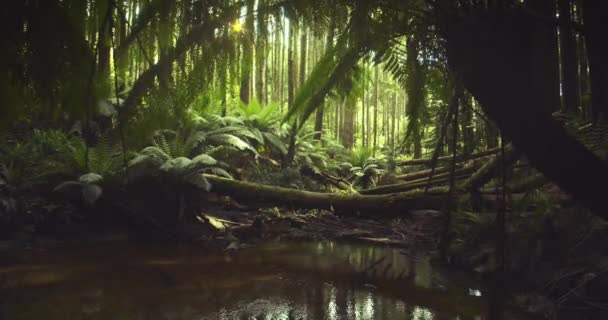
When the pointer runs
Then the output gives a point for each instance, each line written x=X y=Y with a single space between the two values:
x=320 y=280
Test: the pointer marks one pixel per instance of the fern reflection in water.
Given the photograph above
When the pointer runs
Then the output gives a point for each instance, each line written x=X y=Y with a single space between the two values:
x=274 y=281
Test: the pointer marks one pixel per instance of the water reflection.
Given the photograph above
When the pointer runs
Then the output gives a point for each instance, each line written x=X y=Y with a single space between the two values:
x=324 y=281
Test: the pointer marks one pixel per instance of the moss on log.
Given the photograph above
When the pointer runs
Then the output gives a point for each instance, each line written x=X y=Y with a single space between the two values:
x=376 y=205
x=448 y=158
x=488 y=170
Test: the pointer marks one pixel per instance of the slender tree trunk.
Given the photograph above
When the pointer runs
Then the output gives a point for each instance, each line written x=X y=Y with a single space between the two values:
x=367 y=114
x=303 y=51
x=491 y=136
x=468 y=133
x=363 y=142
x=247 y=61
x=260 y=52
x=595 y=14
x=103 y=55
x=583 y=70
x=415 y=93
x=291 y=76
x=329 y=41
x=545 y=55
x=393 y=116
x=376 y=102
x=568 y=58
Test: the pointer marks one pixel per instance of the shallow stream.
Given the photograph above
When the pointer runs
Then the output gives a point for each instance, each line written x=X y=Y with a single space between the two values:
x=314 y=280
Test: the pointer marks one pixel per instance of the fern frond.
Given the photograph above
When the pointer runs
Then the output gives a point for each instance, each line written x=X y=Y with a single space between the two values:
x=276 y=142
x=231 y=140
x=218 y=172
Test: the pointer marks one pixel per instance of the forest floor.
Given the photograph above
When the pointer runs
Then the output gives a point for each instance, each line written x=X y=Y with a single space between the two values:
x=557 y=260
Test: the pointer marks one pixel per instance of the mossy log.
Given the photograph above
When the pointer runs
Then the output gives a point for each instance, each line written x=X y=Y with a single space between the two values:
x=376 y=205
x=422 y=182
x=416 y=184
x=421 y=174
x=488 y=170
x=448 y=158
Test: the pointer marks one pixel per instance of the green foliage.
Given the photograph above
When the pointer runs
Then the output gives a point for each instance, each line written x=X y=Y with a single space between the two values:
x=179 y=160
x=88 y=186
x=535 y=199
x=53 y=154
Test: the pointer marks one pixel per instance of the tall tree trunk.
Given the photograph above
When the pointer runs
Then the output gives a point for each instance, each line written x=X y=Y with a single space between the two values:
x=367 y=114
x=103 y=45
x=260 y=52
x=583 y=66
x=568 y=57
x=363 y=105
x=595 y=14
x=123 y=60
x=393 y=116
x=467 y=128
x=247 y=61
x=376 y=102
x=291 y=76
x=329 y=42
x=545 y=55
x=348 y=126
x=499 y=46
x=415 y=93
x=303 y=51
x=165 y=43
x=291 y=94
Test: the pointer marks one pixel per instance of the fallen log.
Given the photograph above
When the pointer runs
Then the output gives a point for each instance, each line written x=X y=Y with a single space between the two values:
x=421 y=182
x=379 y=205
x=412 y=185
x=421 y=174
x=460 y=158
x=327 y=178
x=488 y=170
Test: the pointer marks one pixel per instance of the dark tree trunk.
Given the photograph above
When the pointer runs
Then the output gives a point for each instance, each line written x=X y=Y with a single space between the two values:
x=260 y=53
x=303 y=50
x=291 y=74
x=568 y=58
x=491 y=136
x=247 y=62
x=595 y=15
x=347 y=131
x=415 y=93
x=103 y=45
x=545 y=55
x=376 y=102
x=498 y=46
x=319 y=114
